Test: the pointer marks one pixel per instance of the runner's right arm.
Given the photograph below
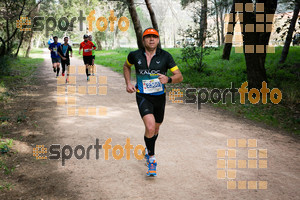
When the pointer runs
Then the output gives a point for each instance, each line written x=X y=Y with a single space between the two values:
x=71 y=51
x=127 y=71
x=50 y=48
x=80 y=47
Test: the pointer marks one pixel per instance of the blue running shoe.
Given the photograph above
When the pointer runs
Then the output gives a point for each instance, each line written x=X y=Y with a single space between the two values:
x=88 y=78
x=152 y=167
x=146 y=156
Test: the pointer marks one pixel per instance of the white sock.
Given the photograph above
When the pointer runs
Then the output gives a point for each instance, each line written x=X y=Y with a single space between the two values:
x=152 y=159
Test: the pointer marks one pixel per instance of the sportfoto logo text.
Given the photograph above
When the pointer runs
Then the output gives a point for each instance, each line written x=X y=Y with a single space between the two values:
x=203 y=95
x=66 y=152
x=65 y=24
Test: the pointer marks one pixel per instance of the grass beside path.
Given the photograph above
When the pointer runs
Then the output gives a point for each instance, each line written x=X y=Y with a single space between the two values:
x=15 y=74
x=220 y=74
x=110 y=58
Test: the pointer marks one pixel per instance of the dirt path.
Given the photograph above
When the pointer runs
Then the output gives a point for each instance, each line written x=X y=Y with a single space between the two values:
x=186 y=149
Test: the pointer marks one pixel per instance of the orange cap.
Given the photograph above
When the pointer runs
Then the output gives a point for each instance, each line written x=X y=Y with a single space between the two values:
x=150 y=31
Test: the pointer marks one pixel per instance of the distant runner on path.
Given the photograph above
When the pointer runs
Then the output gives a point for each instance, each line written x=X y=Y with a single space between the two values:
x=64 y=52
x=87 y=47
x=53 y=47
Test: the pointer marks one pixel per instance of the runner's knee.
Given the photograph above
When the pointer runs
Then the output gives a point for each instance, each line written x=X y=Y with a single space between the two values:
x=150 y=130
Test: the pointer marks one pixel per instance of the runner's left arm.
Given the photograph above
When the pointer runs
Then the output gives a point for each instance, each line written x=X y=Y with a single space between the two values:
x=95 y=44
x=177 y=76
x=60 y=53
x=71 y=50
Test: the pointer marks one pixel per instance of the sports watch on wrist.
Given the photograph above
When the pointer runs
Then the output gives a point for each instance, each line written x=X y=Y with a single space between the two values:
x=169 y=80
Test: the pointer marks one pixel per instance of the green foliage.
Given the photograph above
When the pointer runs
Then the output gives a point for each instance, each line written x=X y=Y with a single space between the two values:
x=220 y=73
x=5 y=185
x=4 y=65
x=193 y=57
x=185 y=3
x=21 y=118
x=19 y=70
x=7 y=170
x=111 y=58
x=5 y=145
x=20 y=75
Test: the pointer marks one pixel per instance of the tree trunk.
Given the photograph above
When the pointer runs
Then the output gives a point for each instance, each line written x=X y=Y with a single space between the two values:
x=34 y=11
x=203 y=23
x=7 y=35
x=9 y=44
x=255 y=61
x=289 y=36
x=153 y=18
x=222 y=25
x=136 y=23
x=152 y=15
x=99 y=45
x=38 y=42
x=217 y=20
x=113 y=41
x=121 y=7
x=2 y=48
x=228 y=44
x=116 y=40
x=20 y=43
x=29 y=45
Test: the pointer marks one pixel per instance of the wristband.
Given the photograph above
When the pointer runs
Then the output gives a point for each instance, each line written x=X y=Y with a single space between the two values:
x=169 y=80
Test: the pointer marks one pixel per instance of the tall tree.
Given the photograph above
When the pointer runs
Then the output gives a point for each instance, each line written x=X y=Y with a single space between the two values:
x=152 y=16
x=232 y=20
x=255 y=55
x=31 y=33
x=136 y=23
x=203 y=18
x=217 y=21
x=203 y=22
x=223 y=6
x=291 y=30
x=121 y=7
x=12 y=10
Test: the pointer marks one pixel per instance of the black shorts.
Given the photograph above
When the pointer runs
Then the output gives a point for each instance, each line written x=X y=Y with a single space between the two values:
x=88 y=60
x=65 y=62
x=94 y=57
x=152 y=104
x=55 y=60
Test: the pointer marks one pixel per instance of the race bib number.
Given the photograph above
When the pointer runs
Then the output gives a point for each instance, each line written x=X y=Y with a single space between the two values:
x=152 y=86
x=86 y=50
x=55 y=50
